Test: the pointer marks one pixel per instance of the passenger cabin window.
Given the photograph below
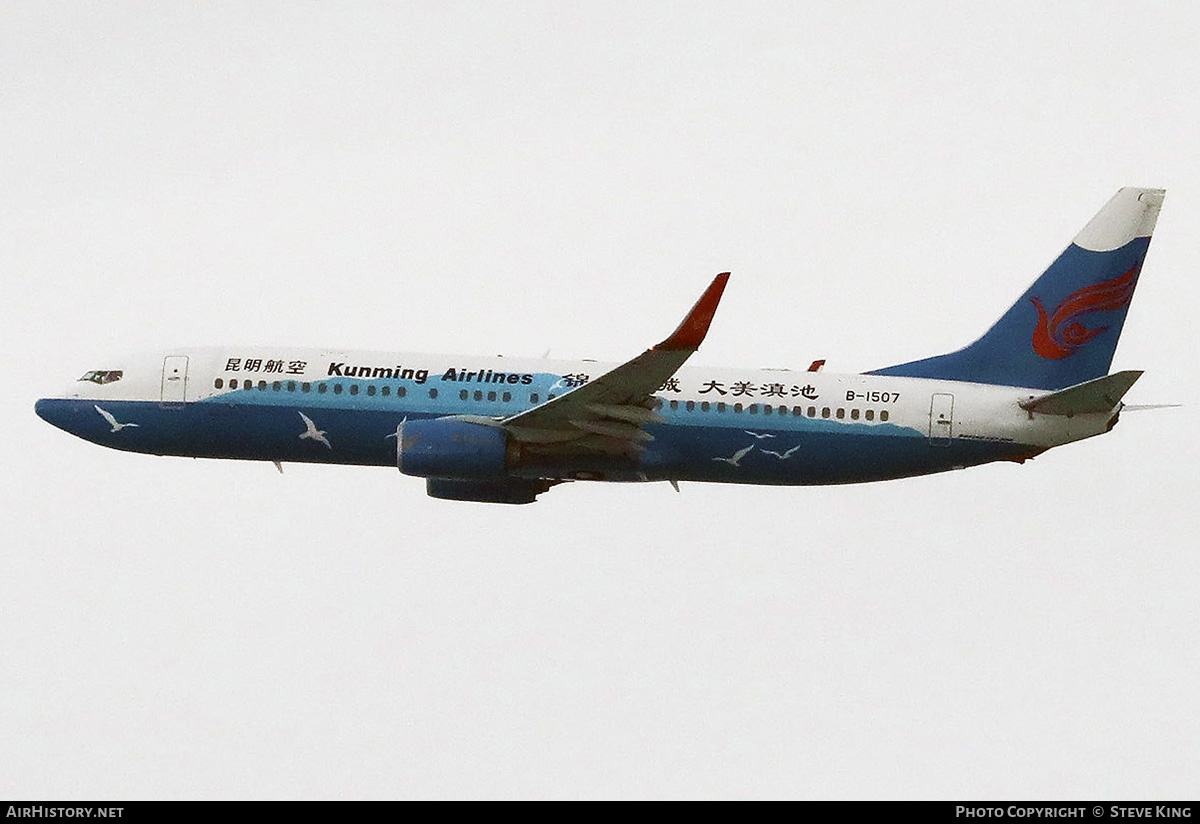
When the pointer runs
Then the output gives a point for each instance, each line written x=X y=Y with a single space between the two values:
x=883 y=415
x=218 y=383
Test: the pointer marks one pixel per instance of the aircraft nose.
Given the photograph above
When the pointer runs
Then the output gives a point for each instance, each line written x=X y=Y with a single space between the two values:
x=56 y=412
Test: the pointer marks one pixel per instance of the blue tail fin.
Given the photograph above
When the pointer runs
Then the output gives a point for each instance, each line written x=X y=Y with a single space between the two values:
x=1064 y=330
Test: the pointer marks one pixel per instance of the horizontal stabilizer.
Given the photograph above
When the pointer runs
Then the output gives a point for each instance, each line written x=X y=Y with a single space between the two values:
x=1099 y=395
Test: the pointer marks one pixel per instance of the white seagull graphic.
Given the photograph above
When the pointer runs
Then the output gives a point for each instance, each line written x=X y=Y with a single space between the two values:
x=784 y=455
x=313 y=433
x=116 y=427
x=759 y=435
x=735 y=459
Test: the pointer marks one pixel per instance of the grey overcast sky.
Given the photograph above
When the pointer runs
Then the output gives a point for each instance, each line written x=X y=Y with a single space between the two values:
x=883 y=179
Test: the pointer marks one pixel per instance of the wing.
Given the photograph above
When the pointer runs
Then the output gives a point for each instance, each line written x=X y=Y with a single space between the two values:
x=606 y=414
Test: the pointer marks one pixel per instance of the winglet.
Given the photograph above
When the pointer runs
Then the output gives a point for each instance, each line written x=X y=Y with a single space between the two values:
x=695 y=326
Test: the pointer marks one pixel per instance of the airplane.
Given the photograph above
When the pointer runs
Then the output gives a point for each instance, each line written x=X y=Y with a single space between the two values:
x=501 y=430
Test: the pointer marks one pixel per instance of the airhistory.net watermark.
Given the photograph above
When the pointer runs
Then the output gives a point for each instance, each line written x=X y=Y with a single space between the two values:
x=42 y=811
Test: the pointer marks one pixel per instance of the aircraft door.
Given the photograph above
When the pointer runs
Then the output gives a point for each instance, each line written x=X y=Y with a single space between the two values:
x=941 y=419
x=174 y=379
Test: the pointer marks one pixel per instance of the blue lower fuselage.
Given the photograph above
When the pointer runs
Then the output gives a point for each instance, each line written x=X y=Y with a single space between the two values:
x=727 y=446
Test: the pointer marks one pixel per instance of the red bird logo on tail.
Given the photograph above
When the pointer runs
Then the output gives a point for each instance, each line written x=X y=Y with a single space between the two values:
x=1059 y=334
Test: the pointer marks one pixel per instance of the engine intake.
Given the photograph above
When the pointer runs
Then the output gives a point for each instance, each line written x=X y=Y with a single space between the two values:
x=450 y=448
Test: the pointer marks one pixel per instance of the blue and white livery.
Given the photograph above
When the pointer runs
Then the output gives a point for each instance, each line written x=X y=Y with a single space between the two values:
x=503 y=430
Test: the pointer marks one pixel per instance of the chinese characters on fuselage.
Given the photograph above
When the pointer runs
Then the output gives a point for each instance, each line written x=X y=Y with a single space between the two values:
x=269 y=365
x=747 y=389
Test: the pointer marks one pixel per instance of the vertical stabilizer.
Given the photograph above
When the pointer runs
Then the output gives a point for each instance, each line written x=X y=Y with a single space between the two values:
x=1063 y=331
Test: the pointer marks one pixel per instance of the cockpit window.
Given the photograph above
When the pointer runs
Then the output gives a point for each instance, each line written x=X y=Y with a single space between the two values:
x=102 y=375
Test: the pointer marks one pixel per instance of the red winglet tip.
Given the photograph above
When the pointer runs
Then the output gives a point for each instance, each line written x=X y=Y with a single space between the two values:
x=695 y=326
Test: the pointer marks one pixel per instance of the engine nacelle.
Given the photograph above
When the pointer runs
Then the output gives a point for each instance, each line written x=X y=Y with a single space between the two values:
x=449 y=448
x=506 y=491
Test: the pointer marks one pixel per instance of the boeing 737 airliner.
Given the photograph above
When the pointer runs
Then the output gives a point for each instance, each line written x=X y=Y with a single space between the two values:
x=503 y=430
